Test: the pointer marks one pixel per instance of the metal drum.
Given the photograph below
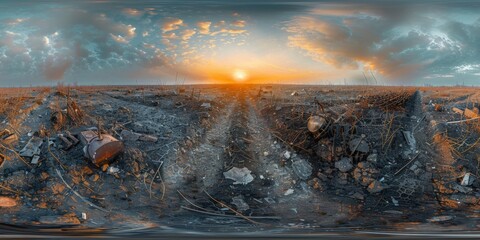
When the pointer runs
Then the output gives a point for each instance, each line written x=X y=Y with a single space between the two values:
x=103 y=150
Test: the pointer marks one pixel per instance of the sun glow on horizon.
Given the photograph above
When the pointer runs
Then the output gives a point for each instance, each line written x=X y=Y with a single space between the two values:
x=240 y=75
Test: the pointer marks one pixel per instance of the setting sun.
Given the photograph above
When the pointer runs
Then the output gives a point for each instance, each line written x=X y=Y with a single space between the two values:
x=239 y=75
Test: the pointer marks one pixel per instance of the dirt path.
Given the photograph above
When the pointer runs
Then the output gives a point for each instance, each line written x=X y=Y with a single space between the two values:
x=240 y=138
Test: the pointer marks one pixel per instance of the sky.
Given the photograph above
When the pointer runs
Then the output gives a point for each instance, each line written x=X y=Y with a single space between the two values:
x=102 y=42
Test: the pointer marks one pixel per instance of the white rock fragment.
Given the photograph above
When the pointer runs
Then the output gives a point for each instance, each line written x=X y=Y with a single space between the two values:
x=288 y=192
x=467 y=180
x=287 y=155
x=239 y=175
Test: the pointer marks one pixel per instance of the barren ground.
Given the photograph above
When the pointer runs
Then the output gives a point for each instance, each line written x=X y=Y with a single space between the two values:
x=387 y=158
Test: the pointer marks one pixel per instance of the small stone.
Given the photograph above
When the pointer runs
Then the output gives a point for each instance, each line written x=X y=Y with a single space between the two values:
x=288 y=192
x=240 y=203
x=372 y=158
x=239 y=175
x=287 y=154
x=467 y=180
x=113 y=170
x=265 y=154
x=344 y=165
x=206 y=105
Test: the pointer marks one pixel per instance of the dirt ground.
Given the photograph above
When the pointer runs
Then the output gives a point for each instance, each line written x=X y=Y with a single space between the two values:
x=235 y=158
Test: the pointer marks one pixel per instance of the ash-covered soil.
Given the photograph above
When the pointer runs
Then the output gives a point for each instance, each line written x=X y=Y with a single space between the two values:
x=235 y=158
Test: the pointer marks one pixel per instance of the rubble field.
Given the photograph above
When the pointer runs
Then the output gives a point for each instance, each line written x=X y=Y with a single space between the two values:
x=235 y=158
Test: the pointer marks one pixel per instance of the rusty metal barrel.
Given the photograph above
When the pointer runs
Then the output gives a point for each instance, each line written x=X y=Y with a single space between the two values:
x=102 y=149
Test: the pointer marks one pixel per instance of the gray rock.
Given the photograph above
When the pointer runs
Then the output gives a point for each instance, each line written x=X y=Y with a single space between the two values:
x=32 y=147
x=373 y=158
x=240 y=203
x=239 y=175
x=359 y=144
x=302 y=168
x=468 y=179
x=344 y=165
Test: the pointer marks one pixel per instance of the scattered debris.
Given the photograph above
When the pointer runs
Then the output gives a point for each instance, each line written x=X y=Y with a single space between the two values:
x=239 y=175
x=32 y=148
x=63 y=220
x=240 y=203
x=344 y=165
x=359 y=144
x=440 y=218
x=375 y=187
x=468 y=179
x=287 y=155
x=302 y=168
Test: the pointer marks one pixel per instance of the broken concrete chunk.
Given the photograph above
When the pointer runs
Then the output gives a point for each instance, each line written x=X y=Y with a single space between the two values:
x=344 y=165
x=359 y=144
x=410 y=139
x=240 y=203
x=467 y=179
x=239 y=175
x=32 y=147
x=302 y=169
x=35 y=159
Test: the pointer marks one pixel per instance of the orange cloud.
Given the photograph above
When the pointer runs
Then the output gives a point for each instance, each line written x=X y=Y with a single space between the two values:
x=239 y=23
x=204 y=27
x=172 y=24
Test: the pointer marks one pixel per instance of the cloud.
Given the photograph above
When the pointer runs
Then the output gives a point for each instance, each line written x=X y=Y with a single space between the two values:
x=365 y=38
x=187 y=34
x=229 y=31
x=172 y=24
x=239 y=23
x=132 y=12
x=204 y=27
